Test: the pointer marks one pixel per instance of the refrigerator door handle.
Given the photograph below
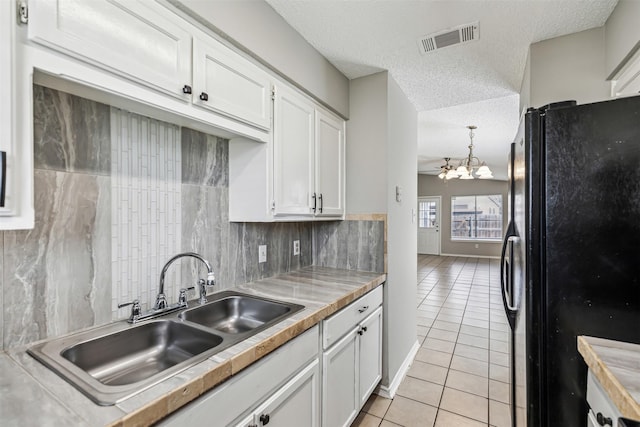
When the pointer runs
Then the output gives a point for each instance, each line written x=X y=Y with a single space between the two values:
x=510 y=237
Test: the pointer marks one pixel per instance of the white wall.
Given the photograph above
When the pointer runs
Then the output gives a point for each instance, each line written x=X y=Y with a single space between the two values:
x=569 y=67
x=382 y=144
x=622 y=33
x=254 y=25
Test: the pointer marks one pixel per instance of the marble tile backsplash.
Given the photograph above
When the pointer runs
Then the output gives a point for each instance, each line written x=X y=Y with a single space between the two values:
x=350 y=244
x=103 y=177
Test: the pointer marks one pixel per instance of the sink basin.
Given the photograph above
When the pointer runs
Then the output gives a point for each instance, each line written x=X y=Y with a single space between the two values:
x=235 y=313
x=111 y=363
x=138 y=353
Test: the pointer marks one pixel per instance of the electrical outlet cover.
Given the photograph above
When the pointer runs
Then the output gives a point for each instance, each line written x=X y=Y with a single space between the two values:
x=296 y=247
x=262 y=253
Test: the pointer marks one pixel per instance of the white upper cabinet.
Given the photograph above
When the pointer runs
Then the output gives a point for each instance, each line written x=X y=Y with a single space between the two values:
x=16 y=178
x=308 y=157
x=150 y=57
x=297 y=176
x=329 y=164
x=626 y=82
x=293 y=153
x=229 y=84
x=129 y=38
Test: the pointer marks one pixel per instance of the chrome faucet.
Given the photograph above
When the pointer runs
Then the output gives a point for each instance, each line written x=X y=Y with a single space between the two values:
x=161 y=301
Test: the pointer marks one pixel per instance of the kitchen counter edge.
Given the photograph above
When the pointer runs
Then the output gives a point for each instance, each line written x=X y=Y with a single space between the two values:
x=610 y=362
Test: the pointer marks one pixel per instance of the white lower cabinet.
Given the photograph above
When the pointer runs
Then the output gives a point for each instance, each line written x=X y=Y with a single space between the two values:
x=370 y=355
x=352 y=366
x=295 y=404
x=283 y=385
x=302 y=383
x=602 y=411
x=339 y=382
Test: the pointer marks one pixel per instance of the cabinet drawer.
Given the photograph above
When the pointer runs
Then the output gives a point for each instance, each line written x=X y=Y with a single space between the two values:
x=340 y=323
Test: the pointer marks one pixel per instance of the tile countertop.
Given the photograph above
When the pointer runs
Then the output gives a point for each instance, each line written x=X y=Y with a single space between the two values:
x=31 y=394
x=617 y=366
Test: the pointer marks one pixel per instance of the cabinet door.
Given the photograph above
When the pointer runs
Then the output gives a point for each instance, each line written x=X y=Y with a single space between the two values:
x=295 y=404
x=340 y=382
x=329 y=164
x=131 y=38
x=370 y=354
x=231 y=84
x=293 y=153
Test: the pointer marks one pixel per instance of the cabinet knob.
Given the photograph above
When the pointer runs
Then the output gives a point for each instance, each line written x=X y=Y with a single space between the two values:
x=363 y=309
x=602 y=420
x=204 y=96
x=360 y=332
x=364 y=329
x=186 y=89
x=315 y=202
x=264 y=419
x=321 y=203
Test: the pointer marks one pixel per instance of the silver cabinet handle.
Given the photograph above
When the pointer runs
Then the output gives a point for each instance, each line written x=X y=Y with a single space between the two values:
x=363 y=309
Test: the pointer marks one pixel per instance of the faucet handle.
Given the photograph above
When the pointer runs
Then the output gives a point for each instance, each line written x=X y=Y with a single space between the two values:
x=136 y=310
x=161 y=302
x=182 y=298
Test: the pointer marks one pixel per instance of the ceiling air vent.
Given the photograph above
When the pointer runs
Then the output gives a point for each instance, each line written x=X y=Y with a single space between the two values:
x=450 y=37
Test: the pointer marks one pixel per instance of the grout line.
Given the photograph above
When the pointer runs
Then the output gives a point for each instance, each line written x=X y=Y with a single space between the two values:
x=474 y=284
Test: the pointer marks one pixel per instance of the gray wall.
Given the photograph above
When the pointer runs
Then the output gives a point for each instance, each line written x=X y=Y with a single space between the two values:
x=381 y=154
x=254 y=25
x=402 y=153
x=430 y=185
x=366 y=147
x=569 y=67
x=57 y=278
x=577 y=66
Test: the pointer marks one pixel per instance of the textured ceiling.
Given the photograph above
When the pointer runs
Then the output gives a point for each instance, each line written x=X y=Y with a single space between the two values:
x=361 y=37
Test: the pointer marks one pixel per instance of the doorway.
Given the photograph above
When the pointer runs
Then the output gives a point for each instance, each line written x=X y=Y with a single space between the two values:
x=429 y=225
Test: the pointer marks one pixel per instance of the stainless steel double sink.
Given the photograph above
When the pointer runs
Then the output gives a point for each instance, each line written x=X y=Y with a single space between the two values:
x=113 y=362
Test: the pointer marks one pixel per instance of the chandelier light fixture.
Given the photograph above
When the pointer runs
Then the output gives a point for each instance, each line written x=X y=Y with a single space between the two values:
x=467 y=165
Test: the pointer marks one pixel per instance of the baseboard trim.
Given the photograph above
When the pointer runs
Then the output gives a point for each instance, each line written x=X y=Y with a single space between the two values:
x=390 y=391
x=472 y=256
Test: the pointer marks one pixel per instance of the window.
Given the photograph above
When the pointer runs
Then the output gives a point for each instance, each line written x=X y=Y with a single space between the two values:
x=476 y=217
x=427 y=214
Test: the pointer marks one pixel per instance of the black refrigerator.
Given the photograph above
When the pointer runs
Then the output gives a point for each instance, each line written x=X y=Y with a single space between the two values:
x=571 y=255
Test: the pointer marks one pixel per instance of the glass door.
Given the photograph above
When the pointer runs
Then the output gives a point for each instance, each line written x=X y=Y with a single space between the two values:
x=429 y=225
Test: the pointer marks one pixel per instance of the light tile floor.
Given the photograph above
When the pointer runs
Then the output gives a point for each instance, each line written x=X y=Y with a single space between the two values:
x=460 y=374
